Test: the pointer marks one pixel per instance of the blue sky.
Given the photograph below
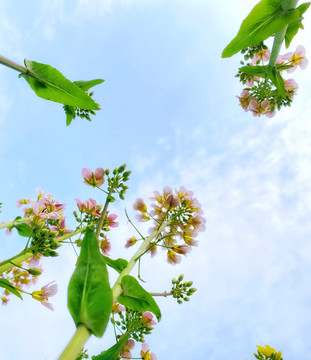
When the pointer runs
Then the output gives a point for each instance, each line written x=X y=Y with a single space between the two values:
x=169 y=111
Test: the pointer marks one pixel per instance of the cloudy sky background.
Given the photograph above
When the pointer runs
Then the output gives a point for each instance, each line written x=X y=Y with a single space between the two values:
x=169 y=111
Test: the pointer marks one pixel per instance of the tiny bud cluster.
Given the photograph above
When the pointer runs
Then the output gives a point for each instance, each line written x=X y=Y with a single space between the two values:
x=182 y=291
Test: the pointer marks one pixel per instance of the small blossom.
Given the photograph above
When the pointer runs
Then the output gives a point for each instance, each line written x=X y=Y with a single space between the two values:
x=181 y=249
x=139 y=205
x=126 y=351
x=297 y=58
x=130 y=242
x=263 y=55
x=43 y=295
x=147 y=319
x=116 y=307
x=173 y=258
x=145 y=353
x=89 y=206
x=22 y=202
x=93 y=179
x=105 y=246
x=4 y=300
x=267 y=351
x=111 y=222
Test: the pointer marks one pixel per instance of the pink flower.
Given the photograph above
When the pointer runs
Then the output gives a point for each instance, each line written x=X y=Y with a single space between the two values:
x=116 y=307
x=297 y=58
x=126 y=351
x=263 y=55
x=130 y=242
x=22 y=202
x=111 y=222
x=147 y=319
x=105 y=246
x=244 y=98
x=173 y=258
x=145 y=353
x=93 y=179
x=259 y=109
x=89 y=206
x=43 y=295
x=181 y=249
x=140 y=205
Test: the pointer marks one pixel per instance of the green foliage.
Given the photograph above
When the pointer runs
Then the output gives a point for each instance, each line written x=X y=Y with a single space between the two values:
x=293 y=28
x=89 y=292
x=113 y=352
x=22 y=228
x=277 y=80
x=50 y=84
x=71 y=111
x=118 y=264
x=135 y=297
x=266 y=19
x=4 y=283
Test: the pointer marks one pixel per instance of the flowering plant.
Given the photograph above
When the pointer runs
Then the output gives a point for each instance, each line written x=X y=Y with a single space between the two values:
x=266 y=90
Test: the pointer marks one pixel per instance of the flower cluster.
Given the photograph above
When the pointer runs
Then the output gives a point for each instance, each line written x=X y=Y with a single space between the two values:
x=21 y=276
x=182 y=214
x=136 y=324
x=264 y=93
x=268 y=353
x=43 y=208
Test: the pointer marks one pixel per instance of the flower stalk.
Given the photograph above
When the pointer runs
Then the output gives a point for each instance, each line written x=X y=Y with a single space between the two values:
x=280 y=36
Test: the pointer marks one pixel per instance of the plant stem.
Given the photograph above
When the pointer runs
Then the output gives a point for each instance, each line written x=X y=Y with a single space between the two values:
x=117 y=289
x=75 y=345
x=161 y=294
x=11 y=223
x=11 y=64
x=103 y=215
x=280 y=36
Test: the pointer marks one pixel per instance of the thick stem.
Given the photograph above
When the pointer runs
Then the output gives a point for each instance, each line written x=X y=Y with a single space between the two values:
x=117 y=289
x=75 y=345
x=280 y=36
x=11 y=64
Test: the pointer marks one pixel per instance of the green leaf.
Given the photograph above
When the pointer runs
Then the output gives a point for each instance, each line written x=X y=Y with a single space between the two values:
x=293 y=28
x=4 y=283
x=113 y=352
x=50 y=84
x=135 y=297
x=86 y=85
x=70 y=114
x=118 y=264
x=254 y=70
x=277 y=80
x=89 y=292
x=23 y=229
x=266 y=19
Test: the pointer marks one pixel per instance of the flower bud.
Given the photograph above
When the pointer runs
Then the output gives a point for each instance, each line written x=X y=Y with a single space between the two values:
x=34 y=271
x=122 y=168
x=107 y=171
x=181 y=277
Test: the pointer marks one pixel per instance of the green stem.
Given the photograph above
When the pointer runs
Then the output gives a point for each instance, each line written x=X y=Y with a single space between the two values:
x=103 y=215
x=11 y=223
x=161 y=294
x=11 y=64
x=280 y=36
x=117 y=289
x=75 y=345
